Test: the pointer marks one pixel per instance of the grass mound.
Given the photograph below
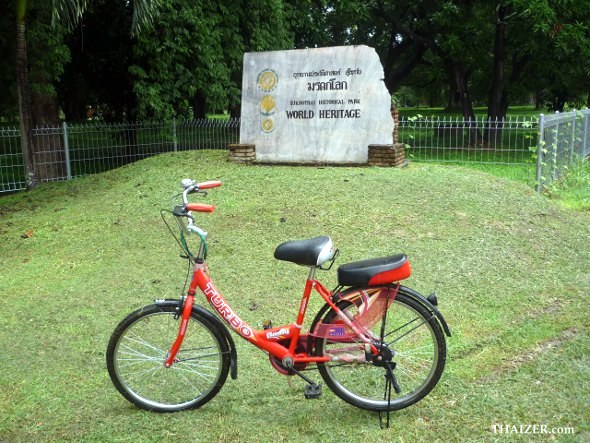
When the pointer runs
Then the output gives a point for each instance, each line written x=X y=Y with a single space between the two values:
x=512 y=270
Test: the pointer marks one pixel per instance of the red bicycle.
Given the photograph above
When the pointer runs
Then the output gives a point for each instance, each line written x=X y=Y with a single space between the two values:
x=371 y=336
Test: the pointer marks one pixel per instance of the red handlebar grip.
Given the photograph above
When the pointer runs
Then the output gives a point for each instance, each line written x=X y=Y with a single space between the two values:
x=200 y=207
x=209 y=184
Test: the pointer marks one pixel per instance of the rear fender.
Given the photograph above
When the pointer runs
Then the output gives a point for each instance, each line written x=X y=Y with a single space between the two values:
x=233 y=355
x=424 y=301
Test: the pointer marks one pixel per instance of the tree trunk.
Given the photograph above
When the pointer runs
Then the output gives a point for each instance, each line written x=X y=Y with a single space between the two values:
x=24 y=96
x=200 y=105
x=461 y=78
x=235 y=109
x=539 y=99
x=400 y=63
x=559 y=100
x=73 y=99
x=453 y=102
x=49 y=147
x=497 y=92
x=497 y=99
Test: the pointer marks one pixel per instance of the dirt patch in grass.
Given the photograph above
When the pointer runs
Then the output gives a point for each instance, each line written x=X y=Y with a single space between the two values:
x=513 y=363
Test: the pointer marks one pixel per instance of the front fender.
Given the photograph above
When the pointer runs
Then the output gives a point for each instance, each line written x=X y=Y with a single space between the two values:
x=233 y=355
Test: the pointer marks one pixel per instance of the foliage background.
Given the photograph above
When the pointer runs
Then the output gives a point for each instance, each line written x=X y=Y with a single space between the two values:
x=188 y=61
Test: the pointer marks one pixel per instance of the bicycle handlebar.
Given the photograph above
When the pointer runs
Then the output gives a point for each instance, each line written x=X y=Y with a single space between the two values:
x=191 y=186
x=209 y=184
x=200 y=207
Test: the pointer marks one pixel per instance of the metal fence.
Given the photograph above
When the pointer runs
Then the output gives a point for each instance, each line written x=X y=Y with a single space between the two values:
x=505 y=147
x=563 y=140
x=69 y=151
x=536 y=150
x=12 y=168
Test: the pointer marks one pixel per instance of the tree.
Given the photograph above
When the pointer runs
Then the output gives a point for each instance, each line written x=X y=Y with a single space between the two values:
x=8 y=90
x=191 y=60
x=36 y=96
x=489 y=51
x=560 y=61
x=24 y=94
x=97 y=79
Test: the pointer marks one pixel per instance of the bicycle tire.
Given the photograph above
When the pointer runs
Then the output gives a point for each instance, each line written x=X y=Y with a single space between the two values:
x=137 y=351
x=419 y=356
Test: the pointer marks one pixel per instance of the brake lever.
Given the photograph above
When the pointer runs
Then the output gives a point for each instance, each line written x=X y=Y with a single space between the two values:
x=187 y=183
x=179 y=211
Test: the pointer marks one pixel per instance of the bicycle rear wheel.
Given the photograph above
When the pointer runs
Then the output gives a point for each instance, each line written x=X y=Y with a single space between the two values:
x=419 y=353
x=137 y=351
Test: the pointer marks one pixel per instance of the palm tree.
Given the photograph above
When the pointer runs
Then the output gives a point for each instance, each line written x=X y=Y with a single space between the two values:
x=24 y=94
x=70 y=12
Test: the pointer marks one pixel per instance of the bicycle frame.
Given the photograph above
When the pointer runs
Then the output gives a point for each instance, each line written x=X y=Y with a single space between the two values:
x=266 y=339
x=353 y=330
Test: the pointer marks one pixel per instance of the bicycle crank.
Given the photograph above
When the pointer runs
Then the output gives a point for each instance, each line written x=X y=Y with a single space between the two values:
x=312 y=389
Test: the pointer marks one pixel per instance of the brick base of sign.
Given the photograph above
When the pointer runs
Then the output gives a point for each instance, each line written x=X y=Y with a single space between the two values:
x=242 y=153
x=386 y=155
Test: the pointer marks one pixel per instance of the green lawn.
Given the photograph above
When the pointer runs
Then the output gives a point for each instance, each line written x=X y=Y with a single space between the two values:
x=511 y=267
x=573 y=190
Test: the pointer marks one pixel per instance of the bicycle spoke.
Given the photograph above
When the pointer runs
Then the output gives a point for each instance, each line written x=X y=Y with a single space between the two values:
x=136 y=362
x=194 y=367
x=143 y=342
x=401 y=327
x=193 y=371
x=134 y=353
x=412 y=336
x=135 y=374
x=413 y=358
x=197 y=390
x=407 y=333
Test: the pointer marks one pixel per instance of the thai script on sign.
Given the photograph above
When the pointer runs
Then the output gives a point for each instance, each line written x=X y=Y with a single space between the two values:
x=320 y=73
x=330 y=85
x=351 y=71
x=327 y=73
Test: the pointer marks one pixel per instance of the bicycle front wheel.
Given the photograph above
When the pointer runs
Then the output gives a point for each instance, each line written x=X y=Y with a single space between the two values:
x=138 y=349
x=418 y=346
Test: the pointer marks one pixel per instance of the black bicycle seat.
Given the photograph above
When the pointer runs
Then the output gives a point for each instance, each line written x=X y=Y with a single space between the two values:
x=312 y=252
x=374 y=271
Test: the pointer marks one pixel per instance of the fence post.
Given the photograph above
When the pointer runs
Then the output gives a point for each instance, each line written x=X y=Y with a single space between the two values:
x=174 y=135
x=67 y=151
x=586 y=135
x=540 y=143
x=573 y=143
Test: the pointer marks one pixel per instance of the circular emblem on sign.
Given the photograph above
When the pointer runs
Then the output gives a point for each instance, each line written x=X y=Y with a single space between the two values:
x=267 y=105
x=267 y=80
x=267 y=125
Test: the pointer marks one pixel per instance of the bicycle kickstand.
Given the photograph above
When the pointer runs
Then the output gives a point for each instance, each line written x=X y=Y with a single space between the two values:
x=390 y=381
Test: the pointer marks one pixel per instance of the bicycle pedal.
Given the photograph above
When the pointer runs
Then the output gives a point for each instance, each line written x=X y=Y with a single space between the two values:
x=313 y=391
x=267 y=325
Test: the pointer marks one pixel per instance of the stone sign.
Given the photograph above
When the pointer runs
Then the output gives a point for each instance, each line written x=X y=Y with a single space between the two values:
x=315 y=105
